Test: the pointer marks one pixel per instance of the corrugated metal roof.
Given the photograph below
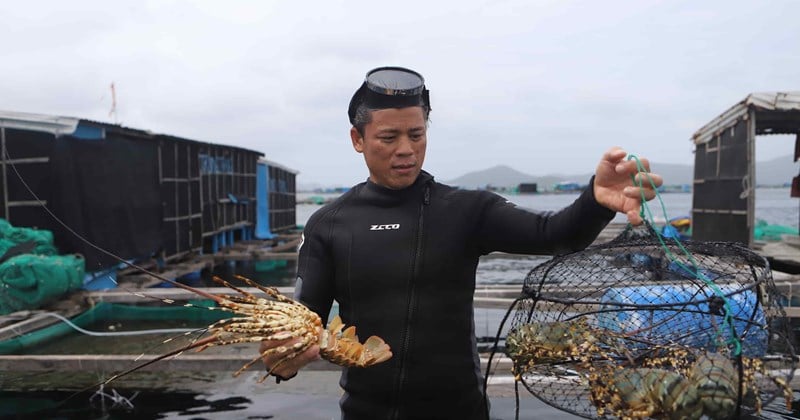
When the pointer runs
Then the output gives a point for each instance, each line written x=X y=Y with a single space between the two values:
x=764 y=102
x=38 y=122
x=68 y=126
x=60 y=125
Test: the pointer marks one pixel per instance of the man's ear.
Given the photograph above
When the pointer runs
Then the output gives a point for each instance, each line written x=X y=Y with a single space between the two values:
x=358 y=140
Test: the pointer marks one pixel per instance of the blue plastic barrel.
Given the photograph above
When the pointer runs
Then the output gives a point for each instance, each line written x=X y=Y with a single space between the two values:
x=680 y=315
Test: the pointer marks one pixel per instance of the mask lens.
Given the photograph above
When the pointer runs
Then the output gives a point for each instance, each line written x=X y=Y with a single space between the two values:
x=395 y=81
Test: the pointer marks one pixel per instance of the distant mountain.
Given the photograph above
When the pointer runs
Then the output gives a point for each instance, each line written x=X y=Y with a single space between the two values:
x=673 y=173
x=505 y=176
x=778 y=171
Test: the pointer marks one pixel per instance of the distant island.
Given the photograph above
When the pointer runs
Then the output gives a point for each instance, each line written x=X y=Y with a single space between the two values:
x=772 y=173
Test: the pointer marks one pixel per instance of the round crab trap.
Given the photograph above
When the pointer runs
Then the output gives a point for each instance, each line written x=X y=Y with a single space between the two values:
x=639 y=327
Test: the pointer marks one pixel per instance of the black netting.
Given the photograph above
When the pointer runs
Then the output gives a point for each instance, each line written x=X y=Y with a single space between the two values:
x=646 y=327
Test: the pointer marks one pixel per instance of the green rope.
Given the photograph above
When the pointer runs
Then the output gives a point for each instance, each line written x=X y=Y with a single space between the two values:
x=647 y=215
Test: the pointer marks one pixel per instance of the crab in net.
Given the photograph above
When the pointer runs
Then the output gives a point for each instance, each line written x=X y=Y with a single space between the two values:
x=639 y=328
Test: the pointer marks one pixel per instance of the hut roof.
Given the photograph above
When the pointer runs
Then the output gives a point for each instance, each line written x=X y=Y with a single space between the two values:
x=776 y=113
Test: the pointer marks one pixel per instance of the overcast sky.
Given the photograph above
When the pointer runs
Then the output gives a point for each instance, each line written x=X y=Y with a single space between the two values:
x=542 y=86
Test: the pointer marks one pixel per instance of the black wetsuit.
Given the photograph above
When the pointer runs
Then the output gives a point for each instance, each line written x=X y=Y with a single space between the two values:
x=401 y=264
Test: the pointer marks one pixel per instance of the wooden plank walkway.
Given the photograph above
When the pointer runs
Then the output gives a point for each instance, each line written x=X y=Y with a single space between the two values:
x=231 y=360
x=783 y=255
x=255 y=251
x=282 y=247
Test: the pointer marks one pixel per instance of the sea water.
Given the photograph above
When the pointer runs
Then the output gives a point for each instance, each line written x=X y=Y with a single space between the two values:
x=773 y=205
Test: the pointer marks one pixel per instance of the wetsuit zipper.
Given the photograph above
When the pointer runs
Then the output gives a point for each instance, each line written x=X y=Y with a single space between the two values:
x=412 y=303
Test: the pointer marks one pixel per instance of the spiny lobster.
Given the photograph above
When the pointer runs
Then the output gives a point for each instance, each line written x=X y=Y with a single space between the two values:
x=707 y=385
x=278 y=317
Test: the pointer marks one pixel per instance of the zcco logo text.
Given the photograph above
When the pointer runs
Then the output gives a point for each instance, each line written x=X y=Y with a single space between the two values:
x=395 y=226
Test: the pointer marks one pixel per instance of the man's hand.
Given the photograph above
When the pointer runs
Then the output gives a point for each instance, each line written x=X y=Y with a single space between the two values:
x=289 y=367
x=614 y=189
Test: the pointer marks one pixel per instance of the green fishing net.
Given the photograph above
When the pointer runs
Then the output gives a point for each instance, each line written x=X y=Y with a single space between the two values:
x=31 y=272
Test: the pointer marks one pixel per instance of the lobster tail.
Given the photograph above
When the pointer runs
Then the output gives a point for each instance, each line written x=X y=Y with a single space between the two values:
x=344 y=349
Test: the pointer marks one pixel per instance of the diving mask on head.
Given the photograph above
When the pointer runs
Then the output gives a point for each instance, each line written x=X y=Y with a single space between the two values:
x=390 y=87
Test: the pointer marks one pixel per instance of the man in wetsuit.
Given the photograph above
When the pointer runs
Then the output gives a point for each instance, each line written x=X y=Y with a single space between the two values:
x=399 y=253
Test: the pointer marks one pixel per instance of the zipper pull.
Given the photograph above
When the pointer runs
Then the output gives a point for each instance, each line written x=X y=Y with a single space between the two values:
x=427 y=199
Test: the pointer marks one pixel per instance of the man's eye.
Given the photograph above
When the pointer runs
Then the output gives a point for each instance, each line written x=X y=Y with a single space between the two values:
x=386 y=139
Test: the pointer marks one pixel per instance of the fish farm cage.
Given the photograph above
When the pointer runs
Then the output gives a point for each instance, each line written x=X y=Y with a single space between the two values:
x=134 y=193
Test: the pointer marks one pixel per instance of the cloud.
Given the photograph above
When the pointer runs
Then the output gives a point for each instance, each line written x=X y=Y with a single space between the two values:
x=542 y=86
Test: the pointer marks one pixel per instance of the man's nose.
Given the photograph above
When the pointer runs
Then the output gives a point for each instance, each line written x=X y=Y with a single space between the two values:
x=404 y=146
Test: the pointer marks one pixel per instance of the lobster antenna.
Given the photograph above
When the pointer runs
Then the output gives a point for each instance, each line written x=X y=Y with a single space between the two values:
x=194 y=344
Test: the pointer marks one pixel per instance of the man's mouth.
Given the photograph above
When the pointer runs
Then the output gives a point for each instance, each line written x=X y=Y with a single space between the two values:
x=405 y=166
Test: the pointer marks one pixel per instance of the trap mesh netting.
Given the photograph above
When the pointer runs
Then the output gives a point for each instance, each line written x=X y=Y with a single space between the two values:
x=644 y=327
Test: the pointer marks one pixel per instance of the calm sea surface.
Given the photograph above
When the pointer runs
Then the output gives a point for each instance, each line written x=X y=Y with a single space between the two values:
x=773 y=205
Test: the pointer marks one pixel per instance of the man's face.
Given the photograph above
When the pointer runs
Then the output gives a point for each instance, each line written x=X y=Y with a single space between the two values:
x=393 y=146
